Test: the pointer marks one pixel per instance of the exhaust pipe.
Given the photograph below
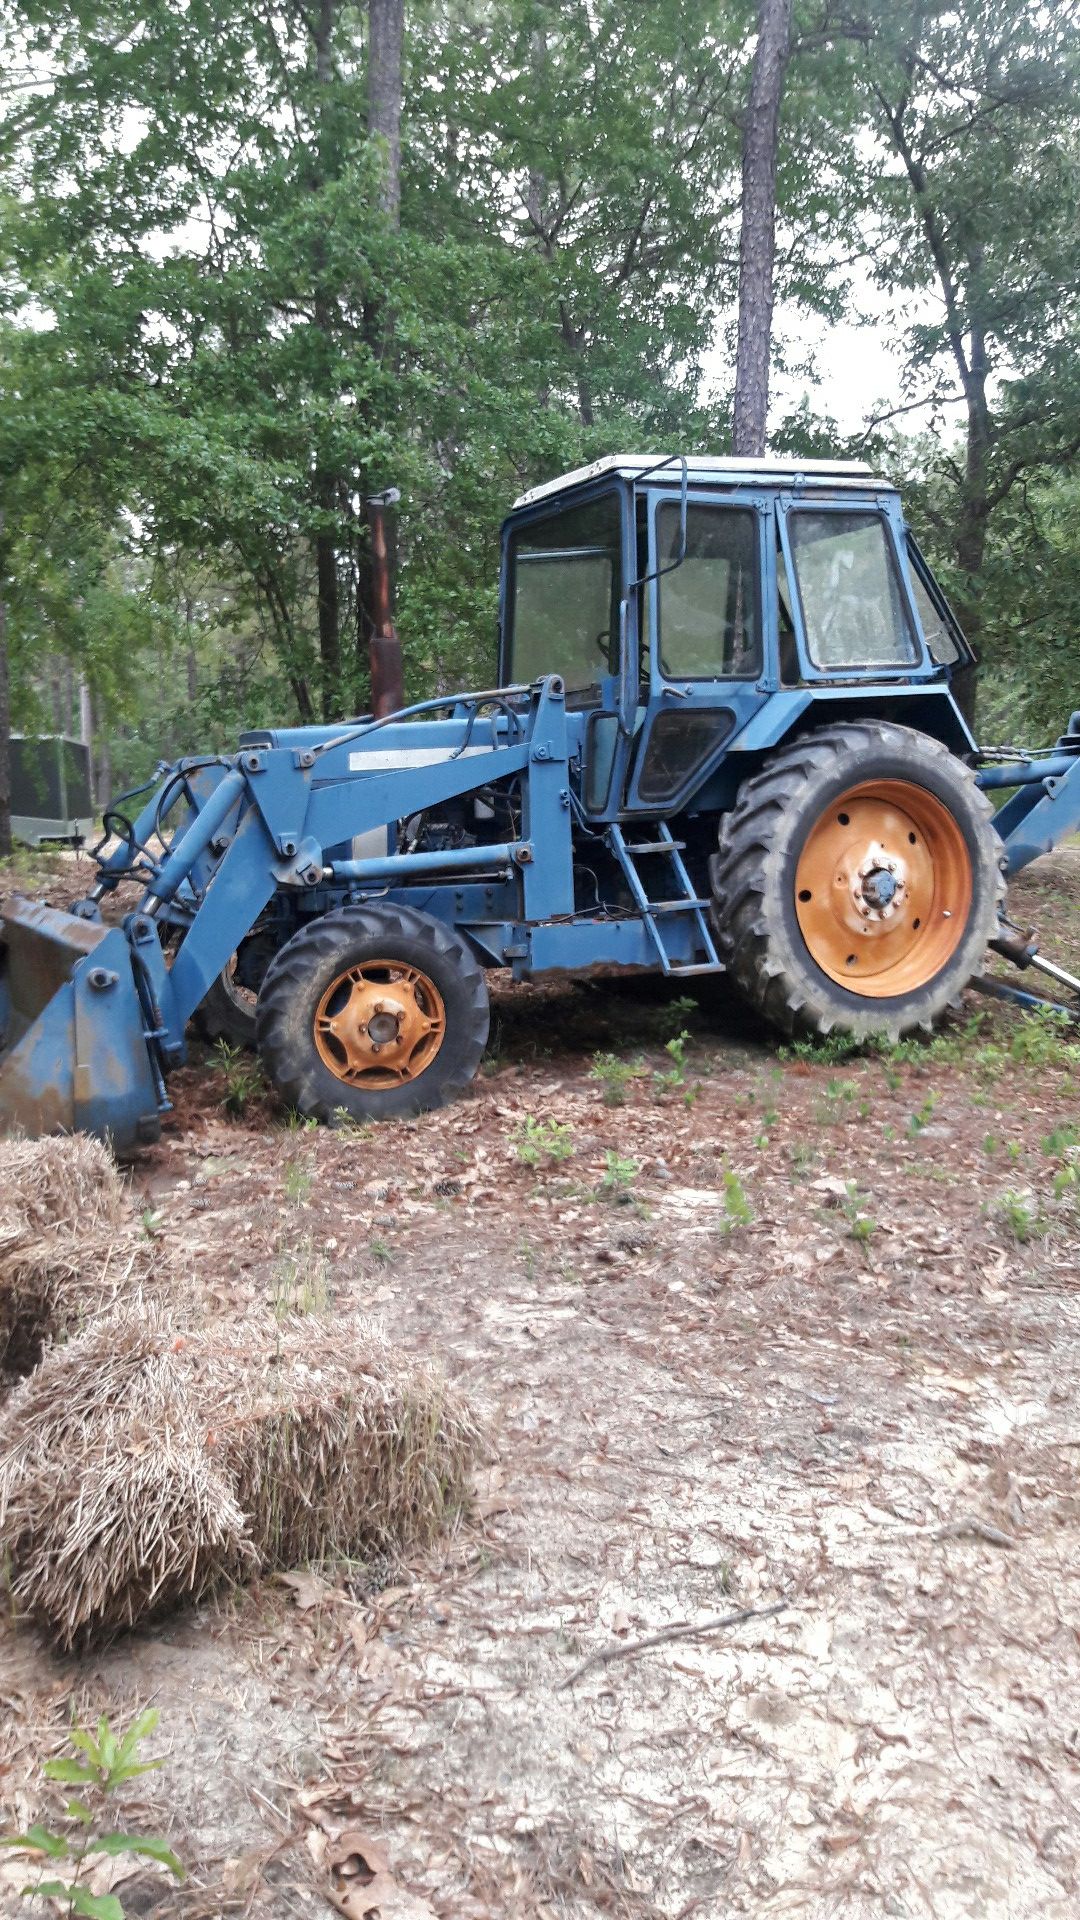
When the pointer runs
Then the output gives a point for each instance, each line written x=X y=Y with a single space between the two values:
x=387 y=667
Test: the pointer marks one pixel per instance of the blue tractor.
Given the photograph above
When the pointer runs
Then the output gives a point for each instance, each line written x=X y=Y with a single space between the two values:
x=729 y=736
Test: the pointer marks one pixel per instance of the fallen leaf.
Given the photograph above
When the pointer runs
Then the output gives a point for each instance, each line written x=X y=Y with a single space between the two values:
x=306 y=1588
x=362 y=1886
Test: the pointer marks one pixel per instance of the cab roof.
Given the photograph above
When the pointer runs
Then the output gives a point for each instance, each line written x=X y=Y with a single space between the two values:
x=720 y=468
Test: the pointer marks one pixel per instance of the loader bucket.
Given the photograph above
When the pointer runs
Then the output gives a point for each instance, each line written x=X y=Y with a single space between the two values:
x=73 y=1052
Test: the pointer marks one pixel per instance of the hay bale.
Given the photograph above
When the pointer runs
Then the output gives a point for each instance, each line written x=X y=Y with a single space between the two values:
x=70 y=1181
x=68 y=1242
x=139 y=1469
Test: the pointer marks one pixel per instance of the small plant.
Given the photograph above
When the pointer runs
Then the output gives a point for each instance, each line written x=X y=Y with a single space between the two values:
x=836 y=1103
x=1066 y=1181
x=614 y=1076
x=671 y=1021
x=737 y=1209
x=380 y=1252
x=861 y=1225
x=675 y=1076
x=538 y=1140
x=299 y=1180
x=619 y=1174
x=1061 y=1139
x=103 y=1764
x=1017 y=1213
x=991 y=1143
x=151 y=1220
x=827 y=1051
x=923 y=1115
x=1042 y=1039
x=242 y=1077
x=301 y=1281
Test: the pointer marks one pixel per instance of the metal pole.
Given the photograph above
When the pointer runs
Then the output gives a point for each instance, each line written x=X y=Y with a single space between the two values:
x=387 y=669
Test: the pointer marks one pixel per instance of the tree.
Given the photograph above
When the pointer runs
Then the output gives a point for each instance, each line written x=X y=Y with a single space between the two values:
x=5 y=715
x=757 y=237
x=977 y=105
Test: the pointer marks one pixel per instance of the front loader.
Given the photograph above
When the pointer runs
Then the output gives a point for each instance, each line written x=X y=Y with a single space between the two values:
x=729 y=737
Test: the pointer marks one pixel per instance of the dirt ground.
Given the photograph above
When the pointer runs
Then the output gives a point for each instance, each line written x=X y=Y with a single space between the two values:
x=783 y=1329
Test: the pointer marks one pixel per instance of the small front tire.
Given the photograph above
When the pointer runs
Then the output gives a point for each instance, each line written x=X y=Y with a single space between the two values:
x=375 y=1012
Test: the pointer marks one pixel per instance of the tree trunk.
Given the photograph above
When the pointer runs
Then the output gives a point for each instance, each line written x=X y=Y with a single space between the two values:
x=5 y=719
x=326 y=565
x=386 y=33
x=757 y=242
x=385 y=91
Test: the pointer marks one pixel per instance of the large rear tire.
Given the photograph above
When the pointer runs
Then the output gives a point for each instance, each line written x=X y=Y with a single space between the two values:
x=857 y=882
x=375 y=1012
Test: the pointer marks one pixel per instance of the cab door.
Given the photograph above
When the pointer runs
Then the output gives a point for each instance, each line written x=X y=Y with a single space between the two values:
x=705 y=655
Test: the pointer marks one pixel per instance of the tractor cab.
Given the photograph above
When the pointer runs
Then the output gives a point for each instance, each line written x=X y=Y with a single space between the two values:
x=678 y=597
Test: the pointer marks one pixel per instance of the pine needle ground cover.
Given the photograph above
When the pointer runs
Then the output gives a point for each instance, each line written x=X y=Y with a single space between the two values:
x=69 y=1243
x=141 y=1468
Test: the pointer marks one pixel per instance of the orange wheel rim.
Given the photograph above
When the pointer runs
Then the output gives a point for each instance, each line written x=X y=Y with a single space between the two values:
x=883 y=888
x=379 y=1024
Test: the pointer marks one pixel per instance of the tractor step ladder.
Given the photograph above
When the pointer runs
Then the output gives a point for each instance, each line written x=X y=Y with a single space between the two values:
x=658 y=913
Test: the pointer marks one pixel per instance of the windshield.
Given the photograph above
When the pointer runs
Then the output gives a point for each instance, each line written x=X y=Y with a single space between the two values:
x=564 y=595
x=853 y=606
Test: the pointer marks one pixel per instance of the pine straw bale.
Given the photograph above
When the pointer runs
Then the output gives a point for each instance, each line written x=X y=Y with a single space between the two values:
x=67 y=1242
x=139 y=1469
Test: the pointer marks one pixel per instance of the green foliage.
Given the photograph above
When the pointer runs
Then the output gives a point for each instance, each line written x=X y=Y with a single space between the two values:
x=298 y=1181
x=737 y=1209
x=101 y=1763
x=673 y=1019
x=615 y=1076
x=1016 y=1212
x=923 y=1114
x=675 y=1075
x=242 y=1078
x=538 y=1140
x=619 y=1173
x=861 y=1225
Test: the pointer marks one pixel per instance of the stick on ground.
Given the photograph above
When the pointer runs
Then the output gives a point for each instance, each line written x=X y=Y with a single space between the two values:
x=623 y=1649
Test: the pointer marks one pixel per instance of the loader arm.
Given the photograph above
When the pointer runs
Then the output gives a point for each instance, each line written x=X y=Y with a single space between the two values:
x=93 y=1017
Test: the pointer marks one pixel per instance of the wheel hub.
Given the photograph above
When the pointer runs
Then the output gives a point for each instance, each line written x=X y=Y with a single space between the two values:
x=380 y=1024
x=883 y=888
x=879 y=883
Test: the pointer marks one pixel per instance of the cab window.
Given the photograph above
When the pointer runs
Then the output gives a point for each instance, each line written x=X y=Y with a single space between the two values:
x=853 y=607
x=710 y=626
x=564 y=583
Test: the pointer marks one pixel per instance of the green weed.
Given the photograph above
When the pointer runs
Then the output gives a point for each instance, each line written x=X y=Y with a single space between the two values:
x=737 y=1209
x=1059 y=1141
x=619 y=1174
x=923 y=1115
x=1041 y=1039
x=301 y=1281
x=615 y=1076
x=538 y=1140
x=675 y=1076
x=242 y=1077
x=100 y=1764
x=1016 y=1213
x=671 y=1020
x=861 y=1225
x=298 y=1182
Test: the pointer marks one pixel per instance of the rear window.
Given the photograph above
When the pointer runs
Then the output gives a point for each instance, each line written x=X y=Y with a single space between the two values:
x=853 y=606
